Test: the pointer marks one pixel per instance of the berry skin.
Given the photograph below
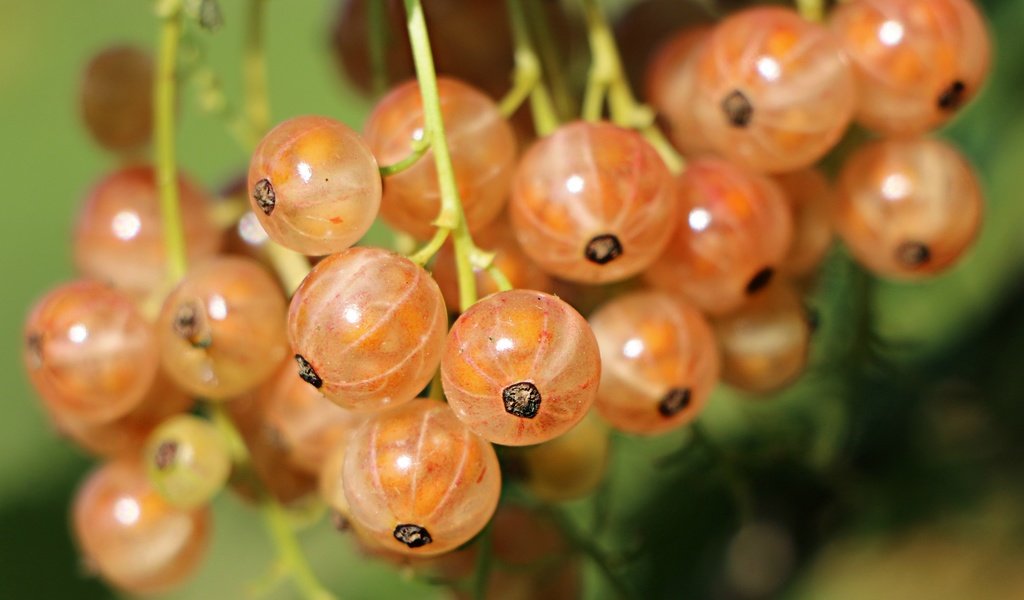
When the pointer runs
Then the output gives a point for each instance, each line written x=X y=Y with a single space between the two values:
x=117 y=98
x=119 y=235
x=367 y=327
x=89 y=353
x=187 y=461
x=908 y=208
x=136 y=540
x=418 y=480
x=774 y=92
x=732 y=234
x=811 y=198
x=671 y=82
x=314 y=185
x=659 y=362
x=570 y=466
x=482 y=146
x=520 y=367
x=764 y=344
x=221 y=330
x=916 y=61
x=592 y=203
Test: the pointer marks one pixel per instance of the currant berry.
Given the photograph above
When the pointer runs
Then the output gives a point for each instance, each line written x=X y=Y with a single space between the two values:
x=331 y=485
x=187 y=461
x=480 y=140
x=367 y=327
x=592 y=203
x=908 y=208
x=659 y=362
x=520 y=367
x=811 y=199
x=571 y=466
x=774 y=92
x=89 y=353
x=509 y=257
x=671 y=83
x=119 y=236
x=314 y=185
x=765 y=343
x=732 y=234
x=917 y=61
x=418 y=480
x=221 y=330
x=132 y=537
x=117 y=98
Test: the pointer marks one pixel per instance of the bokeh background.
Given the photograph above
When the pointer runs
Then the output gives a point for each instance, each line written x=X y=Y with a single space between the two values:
x=892 y=470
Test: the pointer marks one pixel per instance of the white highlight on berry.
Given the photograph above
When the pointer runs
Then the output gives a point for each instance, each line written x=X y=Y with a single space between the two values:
x=126 y=225
x=250 y=230
x=896 y=187
x=404 y=462
x=352 y=314
x=218 y=307
x=78 y=333
x=574 y=184
x=769 y=68
x=633 y=348
x=305 y=171
x=890 y=33
x=503 y=344
x=127 y=510
x=699 y=219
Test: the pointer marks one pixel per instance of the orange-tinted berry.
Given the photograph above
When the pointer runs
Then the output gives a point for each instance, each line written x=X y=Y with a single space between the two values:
x=367 y=327
x=671 y=81
x=419 y=481
x=520 y=367
x=480 y=140
x=908 y=208
x=732 y=233
x=592 y=203
x=117 y=98
x=811 y=199
x=570 y=466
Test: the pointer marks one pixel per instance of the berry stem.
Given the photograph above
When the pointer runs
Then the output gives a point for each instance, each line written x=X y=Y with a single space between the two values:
x=257 y=103
x=418 y=149
x=607 y=79
x=484 y=558
x=529 y=78
x=166 y=159
x=812 y=10
x=551 y=66
x=377 y=41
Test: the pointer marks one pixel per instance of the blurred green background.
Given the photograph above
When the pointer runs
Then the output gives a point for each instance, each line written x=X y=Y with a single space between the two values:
x=911 y=416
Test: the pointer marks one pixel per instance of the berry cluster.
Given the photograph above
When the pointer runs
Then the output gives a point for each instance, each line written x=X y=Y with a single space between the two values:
x=317 y=389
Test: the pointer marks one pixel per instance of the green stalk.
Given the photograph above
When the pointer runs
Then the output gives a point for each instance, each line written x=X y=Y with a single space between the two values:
x=166 y=159
x=812 y=10
x=529 y=81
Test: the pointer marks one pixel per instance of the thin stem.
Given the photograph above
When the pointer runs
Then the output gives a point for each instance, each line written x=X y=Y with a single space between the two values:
x=291 y=267
x=257 y=102
x=377 y=40
x=499 y=278
x=418 y=149
x=290 y=553
x=551 y=64
x=166 y=159
x=529 y=81
x=812 y=10
x=424 y=254
x=484 y=560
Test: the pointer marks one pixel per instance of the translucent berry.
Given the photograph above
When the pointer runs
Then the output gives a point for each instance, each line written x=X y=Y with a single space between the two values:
x=119 y=235
x=117 y=98
x=570 y=466
x=917 y=61
x=509 y=257
x=332 y=485
x=131 y=536
x=732 y=234
x=221 y=330
x=774 y=92
x=764 y=344
x=482 y=146
x=367 y=327
x=592 y=203
x=314 y=185
x=89 y=353
x=520 y=367
x=811 y=198
x=642 y=29
x=659 y=362
x=671 y=84
x=187 y=461
x=419 y=481
x=908 y=208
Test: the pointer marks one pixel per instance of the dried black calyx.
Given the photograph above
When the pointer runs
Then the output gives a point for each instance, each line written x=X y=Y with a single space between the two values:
x=34 y=346
x=674 y=402
x=307 y=373
x=412 y=536
x=953 y=97
x=340 y=521
x=190 y=324
x=603 y=249
x=263 y=194
x=521 y=399
x=738 y=110
x=165 y=454
x=913 y=254
x=760 y=280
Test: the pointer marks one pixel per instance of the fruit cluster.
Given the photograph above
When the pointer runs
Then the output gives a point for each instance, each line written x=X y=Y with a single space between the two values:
x=316 y=389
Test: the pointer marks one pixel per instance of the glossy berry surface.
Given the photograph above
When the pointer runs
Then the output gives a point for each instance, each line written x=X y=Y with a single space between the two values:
x=131 y=536
x=520 y=367
x=367 y=327
x=908 y=208
x=314 y=185
x=221 y=330
x=733 y=231
x=917 y=61
x=482 y=146
x=419 y=481
x=116 y=96
x=187 y=461
x=774 y=92
x=592 y=203
x=811 y=198
x=659 y=362
x=764 y=344
x=570 y=466
x=119 y=236
x=671 y=81
x=89 y=353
